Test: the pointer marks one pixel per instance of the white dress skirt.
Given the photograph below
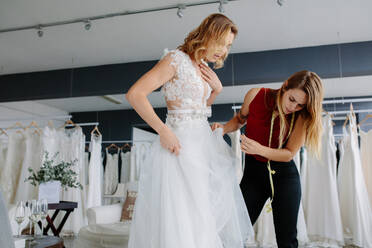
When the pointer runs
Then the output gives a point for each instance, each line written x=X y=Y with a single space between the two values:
x=192 y=200
x=356 y=212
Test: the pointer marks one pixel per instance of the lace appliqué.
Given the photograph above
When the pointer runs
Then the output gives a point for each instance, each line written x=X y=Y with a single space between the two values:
x=186 y=90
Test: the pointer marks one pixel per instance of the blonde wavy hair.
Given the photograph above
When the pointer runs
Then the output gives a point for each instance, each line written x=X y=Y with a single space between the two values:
x=311 y=84
x=214 y=28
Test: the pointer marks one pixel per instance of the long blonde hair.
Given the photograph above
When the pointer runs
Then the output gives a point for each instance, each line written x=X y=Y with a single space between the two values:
x=214 y=27
x=311 y=84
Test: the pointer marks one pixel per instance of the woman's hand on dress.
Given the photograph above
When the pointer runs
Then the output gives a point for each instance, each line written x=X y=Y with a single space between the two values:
x=211 y=78
x=250 y=146
x=216 y=125
x=169 y=141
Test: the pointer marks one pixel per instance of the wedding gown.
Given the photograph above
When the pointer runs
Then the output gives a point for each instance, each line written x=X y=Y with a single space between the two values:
x=94 y=193
x=72 y=144
x=192 y=200
x=320 y=197
x=125 y=167
x=32 y=159
x=366 y=156
x=3 y=152
x=356 y=211
x=12 y=168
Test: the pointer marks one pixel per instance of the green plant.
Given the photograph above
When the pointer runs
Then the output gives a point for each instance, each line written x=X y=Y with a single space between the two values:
x=50 y=171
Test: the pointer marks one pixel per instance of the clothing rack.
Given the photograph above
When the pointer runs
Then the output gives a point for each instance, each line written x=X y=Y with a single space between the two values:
x=84 y=124
x=53 y=117
x=354 y=100
x=123 y=141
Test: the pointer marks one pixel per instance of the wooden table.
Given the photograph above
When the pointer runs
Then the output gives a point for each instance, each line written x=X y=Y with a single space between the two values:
x=66 y=206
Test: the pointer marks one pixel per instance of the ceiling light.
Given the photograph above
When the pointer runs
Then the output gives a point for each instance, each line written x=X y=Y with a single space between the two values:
x=87 y=24
x=221 y=9
x=180 y=10
x=40 y=31
x=280 y=2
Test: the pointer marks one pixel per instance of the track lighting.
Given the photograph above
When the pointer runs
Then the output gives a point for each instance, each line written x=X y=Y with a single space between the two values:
x=40 y=31
x=87 y=20
x=87 y=24
x=221 y=9
x=180 y=10
x=280 y=2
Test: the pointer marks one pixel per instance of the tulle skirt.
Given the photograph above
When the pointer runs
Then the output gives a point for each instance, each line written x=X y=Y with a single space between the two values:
x=192 y=200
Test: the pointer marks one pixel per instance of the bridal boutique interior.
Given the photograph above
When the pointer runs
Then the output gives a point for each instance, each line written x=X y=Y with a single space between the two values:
x=64 y=72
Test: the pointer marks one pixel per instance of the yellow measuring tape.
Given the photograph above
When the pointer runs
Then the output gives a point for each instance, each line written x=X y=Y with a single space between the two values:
x=272 y=172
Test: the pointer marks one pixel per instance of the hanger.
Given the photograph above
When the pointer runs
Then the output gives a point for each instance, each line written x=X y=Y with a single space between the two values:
x=36 y=126
x=68 y=122
x=346 y=120
x=330 y=115
x=364 y=120
x=3 y=132
x=126 y=145
x=112 y=146
x=95 y=129
x=17 y=124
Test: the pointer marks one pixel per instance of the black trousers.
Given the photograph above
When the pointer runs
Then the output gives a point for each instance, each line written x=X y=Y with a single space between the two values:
x=256 y=189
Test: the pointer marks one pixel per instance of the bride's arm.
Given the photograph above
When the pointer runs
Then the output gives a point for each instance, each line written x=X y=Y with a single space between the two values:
x=162 y=72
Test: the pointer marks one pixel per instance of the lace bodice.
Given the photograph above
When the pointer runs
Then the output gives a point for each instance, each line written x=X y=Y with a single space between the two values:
x=186 y=94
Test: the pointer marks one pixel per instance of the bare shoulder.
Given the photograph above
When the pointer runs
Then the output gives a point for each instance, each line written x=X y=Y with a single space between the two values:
x=251 y=94
x=244 y=111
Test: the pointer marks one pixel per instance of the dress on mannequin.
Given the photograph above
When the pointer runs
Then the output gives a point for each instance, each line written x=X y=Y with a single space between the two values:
x=356 y=211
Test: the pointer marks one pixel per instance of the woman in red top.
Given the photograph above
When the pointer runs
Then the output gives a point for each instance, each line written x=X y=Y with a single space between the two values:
x=278 y=122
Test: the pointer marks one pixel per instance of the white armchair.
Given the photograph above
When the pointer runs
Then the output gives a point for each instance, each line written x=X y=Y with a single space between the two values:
x=104 y=214
x=104 y=228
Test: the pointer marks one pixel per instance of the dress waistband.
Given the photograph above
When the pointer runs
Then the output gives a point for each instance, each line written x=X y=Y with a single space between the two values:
x=203 y=111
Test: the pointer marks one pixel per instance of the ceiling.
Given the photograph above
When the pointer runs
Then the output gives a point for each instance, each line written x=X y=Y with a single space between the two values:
x=263 y=25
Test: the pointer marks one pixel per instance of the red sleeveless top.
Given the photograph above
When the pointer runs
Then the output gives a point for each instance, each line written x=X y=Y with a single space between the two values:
x=259 y=120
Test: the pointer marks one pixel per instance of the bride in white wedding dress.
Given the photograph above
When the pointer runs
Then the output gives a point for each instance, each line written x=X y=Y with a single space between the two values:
x=188 y=194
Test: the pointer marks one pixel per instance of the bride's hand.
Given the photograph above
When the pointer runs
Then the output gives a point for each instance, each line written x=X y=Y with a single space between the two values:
x=216 y=125
x=169 y=141
x=211 y=78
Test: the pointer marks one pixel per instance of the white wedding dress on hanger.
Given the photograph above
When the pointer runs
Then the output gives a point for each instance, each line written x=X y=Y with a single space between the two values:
x=71 y=147
x=94 y=191
x=356 y=212
x=321 y=203
x=111 y=175
x=32 y=159
x=192 y=200
x=366 y=156
x=3 y=152
x=125 y=167
x=12 y=169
